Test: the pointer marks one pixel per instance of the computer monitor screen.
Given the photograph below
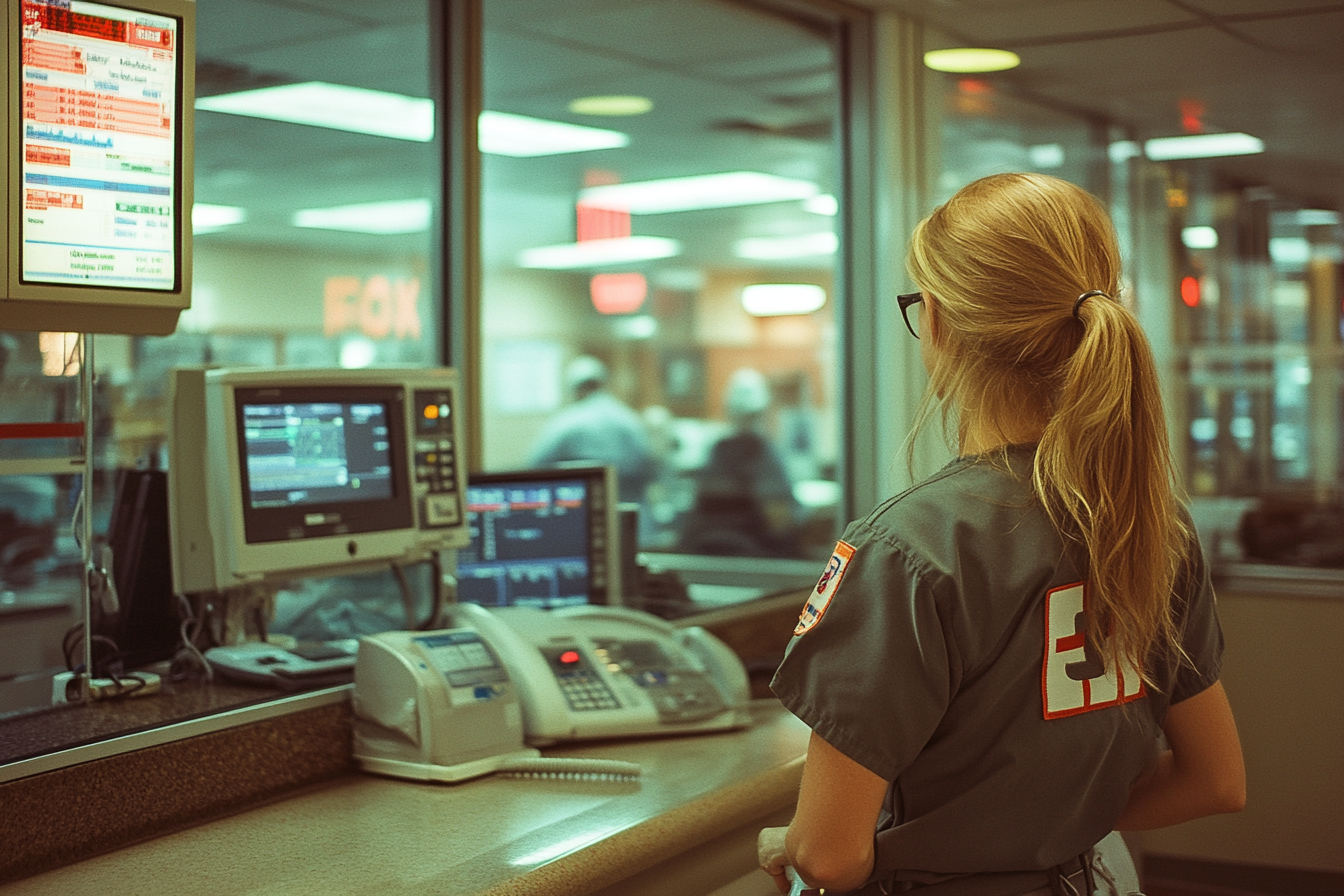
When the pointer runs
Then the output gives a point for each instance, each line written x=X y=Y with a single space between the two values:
x=101 y=145
x=540 y=538
x=306 y=453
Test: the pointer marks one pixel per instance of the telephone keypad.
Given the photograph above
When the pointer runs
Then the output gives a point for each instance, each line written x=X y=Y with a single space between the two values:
x=583 y=690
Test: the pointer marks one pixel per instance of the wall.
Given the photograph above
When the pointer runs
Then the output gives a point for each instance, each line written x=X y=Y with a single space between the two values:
x=1284 y=675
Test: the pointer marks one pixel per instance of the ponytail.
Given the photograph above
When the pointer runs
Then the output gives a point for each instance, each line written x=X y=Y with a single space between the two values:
x=1104 y=474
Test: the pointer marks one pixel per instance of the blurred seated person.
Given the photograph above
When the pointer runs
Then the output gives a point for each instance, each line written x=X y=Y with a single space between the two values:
x=744 y=503
x=597 y=426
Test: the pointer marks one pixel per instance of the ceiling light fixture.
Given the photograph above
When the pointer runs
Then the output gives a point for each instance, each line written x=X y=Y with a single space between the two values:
x=598 y=253
x=822 y=204
x=394 y=216
x=1199 y=237
x=333 y=106
x=1202 y=146
x=701 y=191
x=611 y=105
x=965 y=60
x=780 y=248
x=401 y=117
x=520 y=136
x=775 y=299
x=207 y=218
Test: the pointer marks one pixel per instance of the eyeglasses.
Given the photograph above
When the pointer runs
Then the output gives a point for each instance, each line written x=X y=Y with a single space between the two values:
x=905 y=301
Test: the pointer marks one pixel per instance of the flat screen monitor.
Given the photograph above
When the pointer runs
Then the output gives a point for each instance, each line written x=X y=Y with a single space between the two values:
x=541 y=538
x=99 y=174
x=282 y=474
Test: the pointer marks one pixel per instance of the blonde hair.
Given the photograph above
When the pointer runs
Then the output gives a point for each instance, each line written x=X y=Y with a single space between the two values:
x=1005 y=261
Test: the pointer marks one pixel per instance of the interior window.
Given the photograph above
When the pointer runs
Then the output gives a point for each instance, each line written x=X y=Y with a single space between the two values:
x=659 y=240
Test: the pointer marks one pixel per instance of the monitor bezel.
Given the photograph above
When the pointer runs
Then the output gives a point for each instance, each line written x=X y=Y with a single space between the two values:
x=603 y=531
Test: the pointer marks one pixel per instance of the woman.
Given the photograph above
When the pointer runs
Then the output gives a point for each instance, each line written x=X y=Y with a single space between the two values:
x=991 y=657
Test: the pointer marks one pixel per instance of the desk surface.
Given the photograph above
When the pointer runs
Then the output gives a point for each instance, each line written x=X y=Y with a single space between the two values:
x=365 y=834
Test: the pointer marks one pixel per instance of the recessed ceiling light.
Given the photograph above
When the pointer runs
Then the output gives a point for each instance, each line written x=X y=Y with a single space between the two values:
x=334 y=106
x=1199 y=237
x=207 y=218
x=779 y=248
x=521 y=136
x=774 y=299
x=962 y=60
x=598 y=253
x=1202 y=146
x=611 y=105
x=700 y=191
x=395 y=216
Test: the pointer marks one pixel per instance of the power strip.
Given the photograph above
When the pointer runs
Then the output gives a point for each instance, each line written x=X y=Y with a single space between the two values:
x=65 y=687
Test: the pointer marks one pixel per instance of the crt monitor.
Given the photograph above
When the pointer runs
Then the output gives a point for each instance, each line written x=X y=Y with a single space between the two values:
x=541 y=538
x=99 y=175
x=281 y=474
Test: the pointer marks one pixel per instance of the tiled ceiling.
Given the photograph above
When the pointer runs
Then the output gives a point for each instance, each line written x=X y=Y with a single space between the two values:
x=1271 y=68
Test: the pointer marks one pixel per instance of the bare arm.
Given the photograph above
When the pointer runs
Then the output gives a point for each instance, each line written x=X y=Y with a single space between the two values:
x=1203 y=772
x=830 y=841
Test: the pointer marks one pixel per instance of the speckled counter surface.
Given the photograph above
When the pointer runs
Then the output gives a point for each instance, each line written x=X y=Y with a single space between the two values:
x=361 y=834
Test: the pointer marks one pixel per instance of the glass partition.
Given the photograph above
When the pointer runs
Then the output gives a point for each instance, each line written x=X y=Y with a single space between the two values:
x=317 y=193
x=659 y=241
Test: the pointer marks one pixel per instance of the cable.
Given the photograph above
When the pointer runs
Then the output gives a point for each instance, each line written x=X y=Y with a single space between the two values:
x=572 y=769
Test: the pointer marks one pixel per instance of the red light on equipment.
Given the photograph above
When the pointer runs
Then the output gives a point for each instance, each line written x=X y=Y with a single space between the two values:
x=1190 y=291
x=569 y=657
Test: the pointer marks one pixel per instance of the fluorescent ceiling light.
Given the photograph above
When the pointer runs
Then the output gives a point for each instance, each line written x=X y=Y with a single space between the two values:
x=1289 y=251
x=384 y=114
x=683 y=194
x=635 y=327
x=395 y=216
x=506 y=134
x=1046 y=155
x=611 y=105
x=1316 y=217
x=1123 y=150
x=822 y=204
x=777 y=248
x=1202 y=146
x=598 y=253
x=1199 y=237
x=207 y=218
x=773 y=299
x=964 y=60
x=335 y=106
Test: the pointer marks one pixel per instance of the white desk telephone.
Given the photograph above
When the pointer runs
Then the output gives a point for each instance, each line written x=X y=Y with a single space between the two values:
x=467 y=700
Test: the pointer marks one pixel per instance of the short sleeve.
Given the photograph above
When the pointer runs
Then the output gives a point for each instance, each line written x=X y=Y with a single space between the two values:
x=1201 y=633
x=869 y=668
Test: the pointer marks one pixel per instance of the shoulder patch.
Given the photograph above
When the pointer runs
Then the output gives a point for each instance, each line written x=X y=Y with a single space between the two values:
x=1074 y=678
x=827 y=585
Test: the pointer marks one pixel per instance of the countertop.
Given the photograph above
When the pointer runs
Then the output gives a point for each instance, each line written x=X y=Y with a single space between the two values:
x=360 y=833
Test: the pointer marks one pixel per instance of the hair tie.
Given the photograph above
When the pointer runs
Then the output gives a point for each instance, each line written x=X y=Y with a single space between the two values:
x=1083 y=298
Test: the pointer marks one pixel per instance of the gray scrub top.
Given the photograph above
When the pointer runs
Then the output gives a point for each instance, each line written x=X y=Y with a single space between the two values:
x=944 y=650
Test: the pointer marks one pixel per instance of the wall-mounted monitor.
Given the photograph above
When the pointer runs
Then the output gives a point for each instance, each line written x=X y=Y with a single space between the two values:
x=541 y=538
x=97 y=230
x=276 y=475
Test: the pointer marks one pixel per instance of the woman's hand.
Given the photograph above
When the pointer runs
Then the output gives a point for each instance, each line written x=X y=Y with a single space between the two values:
x=770 y=853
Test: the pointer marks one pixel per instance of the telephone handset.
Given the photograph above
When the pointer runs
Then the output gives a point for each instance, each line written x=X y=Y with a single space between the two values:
x=461 y=702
